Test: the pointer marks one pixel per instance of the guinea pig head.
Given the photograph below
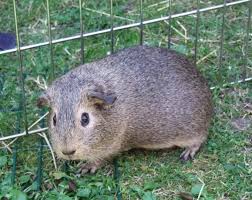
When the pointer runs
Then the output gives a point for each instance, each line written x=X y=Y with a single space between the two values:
x=79 y=121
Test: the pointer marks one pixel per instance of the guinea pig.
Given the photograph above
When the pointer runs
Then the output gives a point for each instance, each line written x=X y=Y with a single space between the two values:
x=140 y=97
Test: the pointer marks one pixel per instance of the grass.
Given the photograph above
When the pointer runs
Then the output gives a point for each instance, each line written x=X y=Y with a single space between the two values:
x=224 y=164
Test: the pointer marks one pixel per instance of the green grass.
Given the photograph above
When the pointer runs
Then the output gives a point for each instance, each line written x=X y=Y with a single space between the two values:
x=224 y=164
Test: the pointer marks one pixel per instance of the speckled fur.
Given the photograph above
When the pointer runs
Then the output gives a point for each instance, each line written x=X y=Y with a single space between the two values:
x=162 y=101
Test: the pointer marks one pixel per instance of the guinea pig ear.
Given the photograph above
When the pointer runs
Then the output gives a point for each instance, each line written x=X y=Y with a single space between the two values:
x=101 y=99
x=43 y=100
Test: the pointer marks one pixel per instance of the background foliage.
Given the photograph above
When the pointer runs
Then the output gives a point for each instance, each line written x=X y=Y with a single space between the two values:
x=224 y=164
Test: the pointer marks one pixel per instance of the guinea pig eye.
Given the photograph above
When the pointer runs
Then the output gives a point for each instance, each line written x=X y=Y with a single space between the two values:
x=54 y=119
x=84 y=119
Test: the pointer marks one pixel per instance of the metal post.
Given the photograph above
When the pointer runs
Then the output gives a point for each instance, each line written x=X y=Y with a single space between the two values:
x=244 y=73
x=52 y=75
x=141 y=22
x=196 y=32
x=169 y=26
x=112 y=26
x=21 y=73
x=116 y=178
x=219 y=77
x=40 y=156
x=82 y=31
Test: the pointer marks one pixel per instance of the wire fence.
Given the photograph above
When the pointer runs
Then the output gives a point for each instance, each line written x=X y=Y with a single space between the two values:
x=8 y=140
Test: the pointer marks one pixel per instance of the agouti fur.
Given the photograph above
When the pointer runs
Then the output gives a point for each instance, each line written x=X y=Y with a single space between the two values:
x=140 y=97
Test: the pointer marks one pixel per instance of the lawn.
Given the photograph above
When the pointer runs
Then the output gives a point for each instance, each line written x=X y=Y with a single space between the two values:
x=223 y=167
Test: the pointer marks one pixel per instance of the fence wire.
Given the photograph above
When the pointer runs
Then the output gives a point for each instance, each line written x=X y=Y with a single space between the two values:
x=128 y=26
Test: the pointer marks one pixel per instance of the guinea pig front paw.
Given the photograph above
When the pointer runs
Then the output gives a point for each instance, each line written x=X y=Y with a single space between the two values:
x=90 y=167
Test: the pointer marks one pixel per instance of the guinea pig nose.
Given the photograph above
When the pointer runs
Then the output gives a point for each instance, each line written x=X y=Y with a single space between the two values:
x=69 y=153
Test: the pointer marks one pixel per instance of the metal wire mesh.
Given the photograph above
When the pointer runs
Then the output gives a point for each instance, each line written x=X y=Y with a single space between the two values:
x=83 y=35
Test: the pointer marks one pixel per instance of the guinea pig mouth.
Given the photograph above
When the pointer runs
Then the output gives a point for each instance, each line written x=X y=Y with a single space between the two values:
x=75 y=156
x=69 y=157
